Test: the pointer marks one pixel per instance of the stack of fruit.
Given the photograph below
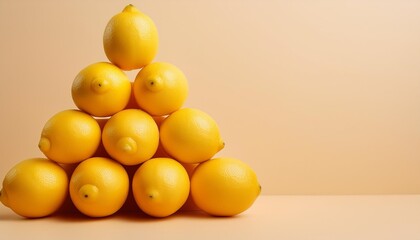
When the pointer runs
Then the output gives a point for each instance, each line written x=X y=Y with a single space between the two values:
x=130 y=133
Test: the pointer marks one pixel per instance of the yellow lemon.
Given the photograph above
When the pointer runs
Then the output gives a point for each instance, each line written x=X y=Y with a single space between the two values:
x=130 y=39
x=160 y=186
x=101 y=89
x=35 y=187
x=190 y=136
x=224 y=186
x=99 y=187
x=131 y=136
x=160 y=88
x=70 y=136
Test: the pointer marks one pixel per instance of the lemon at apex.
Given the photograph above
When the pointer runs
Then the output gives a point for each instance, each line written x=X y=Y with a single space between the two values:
x=101 y=89
x=160 y=186
x=131 y=136
x=99 y=187
x=224 y=186
x=190 y=136
x=34 y=188
x=130 y=39
x=160 y=88
x=70 y=136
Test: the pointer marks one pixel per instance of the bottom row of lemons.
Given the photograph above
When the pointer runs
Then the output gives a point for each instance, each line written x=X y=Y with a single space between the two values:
x=99 y=186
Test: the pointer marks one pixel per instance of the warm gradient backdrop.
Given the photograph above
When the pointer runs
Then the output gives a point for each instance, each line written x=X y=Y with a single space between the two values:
x=319 y=97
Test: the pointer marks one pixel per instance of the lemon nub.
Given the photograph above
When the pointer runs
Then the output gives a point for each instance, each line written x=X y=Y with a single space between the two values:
x=127 y=145
x=88 y=192
x=154 y=84
x=152 y=195
x=130 y=8
x=44 y=144
x=3 y=198
x=100 y=85
x=221 y=144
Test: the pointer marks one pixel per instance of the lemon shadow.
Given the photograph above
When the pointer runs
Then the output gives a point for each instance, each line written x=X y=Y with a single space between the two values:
x=140 y=216
x=129 y=216
x=12 y=217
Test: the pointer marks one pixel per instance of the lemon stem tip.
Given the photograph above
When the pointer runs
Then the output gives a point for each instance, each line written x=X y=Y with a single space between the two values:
x=3 y=199
x=222 y=145
x=44 y=144
x=154 y=84
x=127 y=145
x=88 y=191
x=130 y=8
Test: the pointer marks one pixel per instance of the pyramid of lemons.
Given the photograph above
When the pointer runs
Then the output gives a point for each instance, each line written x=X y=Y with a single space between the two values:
x=126 y=133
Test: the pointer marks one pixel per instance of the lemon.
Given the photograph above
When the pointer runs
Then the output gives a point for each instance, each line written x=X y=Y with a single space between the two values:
x=190 y=136
x=131 y=136
x=70 y=136
x=224 y=186
x=160 y=88
x=99 y=187
x=35 y=187
x=160 y=186
x=130 y=39
x=101 y=89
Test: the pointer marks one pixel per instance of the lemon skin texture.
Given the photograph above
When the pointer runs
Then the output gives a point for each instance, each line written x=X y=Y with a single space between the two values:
x=131 y=136
x=101 y=89
x=70 y=136
x=160 y=186
x=34 y=188
x=99 y=187
x=130 y=39
x=160 y=88
x=224 y=186
x=190 y=136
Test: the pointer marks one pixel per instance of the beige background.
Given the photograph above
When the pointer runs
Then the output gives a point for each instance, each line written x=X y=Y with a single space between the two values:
x=319 y=97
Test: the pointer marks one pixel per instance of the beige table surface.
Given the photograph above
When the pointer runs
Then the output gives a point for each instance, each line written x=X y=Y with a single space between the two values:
x=271 y=217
